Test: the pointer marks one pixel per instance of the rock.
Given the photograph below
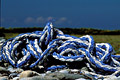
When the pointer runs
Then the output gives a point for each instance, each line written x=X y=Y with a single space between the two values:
x=69 y=76
x=12 y=75
x=3 y=70
x=82 y=79
x=50 y=78
x=28 y=73
x=90 y=76
x=112 y=78
x=73 y=76
x=39 y=78
x=48 y=72
x=64 y=71
x=74 y=71
x=10 y=68
x=84 y=68
x=2 y=39
x=17 y=70
x=57 y=75
x=4 y=78
x=6 y=64
x=16 y=78
x=0 y=75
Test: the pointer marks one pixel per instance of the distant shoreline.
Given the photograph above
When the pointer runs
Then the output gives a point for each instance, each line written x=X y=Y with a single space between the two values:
x=80 y=31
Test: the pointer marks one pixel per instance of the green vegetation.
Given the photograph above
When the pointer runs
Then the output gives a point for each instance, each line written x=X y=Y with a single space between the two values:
x=10 y=35
x=78 y=31
x=114 y=40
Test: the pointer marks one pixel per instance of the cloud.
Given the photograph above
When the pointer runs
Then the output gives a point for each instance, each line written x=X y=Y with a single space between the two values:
x=50 y=18
x=61 y=20
x=41 y=20
x=29 y=20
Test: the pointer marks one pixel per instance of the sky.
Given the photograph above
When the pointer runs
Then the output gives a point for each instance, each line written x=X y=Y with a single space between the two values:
x=98 y=14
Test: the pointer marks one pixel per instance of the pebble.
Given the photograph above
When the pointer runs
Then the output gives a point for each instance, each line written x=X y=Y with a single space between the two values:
x=17 y=70
x=3 y=70
x=64 y=71
x=58 y=75
x=73 y=76
x=12 y=75
x=4 y=78
x=28 y=73
x=84 y=68
x=74 y=71
x=16 y=78
x=6 y=64
x=40 y=78
x=112 y=78
x=48 y=72
x=81 y=79
x=13 y=70
x=69 y=76
x=0 y=75
x=10 y=68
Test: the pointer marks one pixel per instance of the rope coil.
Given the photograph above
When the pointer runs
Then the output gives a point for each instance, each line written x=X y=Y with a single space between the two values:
x=19 y=51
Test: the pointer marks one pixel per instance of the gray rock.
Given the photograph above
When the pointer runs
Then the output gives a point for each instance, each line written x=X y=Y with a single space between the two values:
x=74 y=71
x=90 y=77
x=40 y=78
x=50 y=78
x=3 y=70
x=69 y=76
x=12 y=75
x=28 y=73
x=112 y=78
x=4 y=78
x=16 y=78
x=12 y=70
x=64 y=71
x=6 y=64
x=48 y=72
x=57 y=75
x=0 y=75
x=82 y=79
x=1 y=38
x=84 y=68
x=73 y=76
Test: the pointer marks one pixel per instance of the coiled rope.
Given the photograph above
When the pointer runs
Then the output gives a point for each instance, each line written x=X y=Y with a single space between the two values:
x=31 y=49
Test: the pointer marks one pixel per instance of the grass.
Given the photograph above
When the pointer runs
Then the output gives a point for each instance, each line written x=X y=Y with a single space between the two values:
x=114 y=40
x=10 y=35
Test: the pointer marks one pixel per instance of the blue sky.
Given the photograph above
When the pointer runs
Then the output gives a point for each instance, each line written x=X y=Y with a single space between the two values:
x=100 y=14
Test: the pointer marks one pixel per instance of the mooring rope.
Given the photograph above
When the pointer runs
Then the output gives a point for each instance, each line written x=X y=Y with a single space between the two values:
x=31 y=49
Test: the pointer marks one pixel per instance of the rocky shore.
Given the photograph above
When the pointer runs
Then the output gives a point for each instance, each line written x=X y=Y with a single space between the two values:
x=10 y=73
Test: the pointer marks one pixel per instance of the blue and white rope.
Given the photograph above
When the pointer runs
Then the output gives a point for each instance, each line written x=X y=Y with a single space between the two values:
x=19 y=51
